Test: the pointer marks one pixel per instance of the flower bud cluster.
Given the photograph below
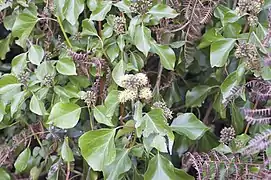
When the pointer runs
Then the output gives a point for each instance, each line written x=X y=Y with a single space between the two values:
x=48 y=80
x=119 y=24
x=90 y=98
x=135 y=86
x=227 y=134
x=252 y=7
x=166 y=111
x=23 y=77
x=141 y=6
x=249 y=53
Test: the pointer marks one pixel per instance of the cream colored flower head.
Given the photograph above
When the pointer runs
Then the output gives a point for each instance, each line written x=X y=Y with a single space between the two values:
x=142 y=79
x=127 y=95
x=145 y=93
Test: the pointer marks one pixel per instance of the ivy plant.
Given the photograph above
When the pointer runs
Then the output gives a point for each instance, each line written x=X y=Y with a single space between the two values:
x=142 y=89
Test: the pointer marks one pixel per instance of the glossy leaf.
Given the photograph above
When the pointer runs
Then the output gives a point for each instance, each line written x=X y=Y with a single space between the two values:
x=35 y=54
x=64 y=115
x=21 y=161
x=103 y=7
x=37 y=106
x=162 y=169
x=142 y=39
x=4 y=175
x=66 y=66
x=98 y=148
x=19 y=63
x=120 y=165
x=166 y=54
x=160 y=11
x=189 y=125
x=220 y=51
x=66 y=152
x=72 y=10
x=196 y=96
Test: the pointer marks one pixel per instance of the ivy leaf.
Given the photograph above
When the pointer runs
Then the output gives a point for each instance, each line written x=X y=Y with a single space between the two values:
x=8 y=83
x=196 y=96
x=118 y=72
x=16 y=101
x=120 y=165
x=98 y=148
x=35 y=54
x=4 y=44
x=44 y=69
x=100 y=115
x=229 y=83
x=142 y=39
x=237 y=119
x=37 y=106
x=23 y=26
x=2 y=110
x=18 y=63
x=72 y=9
x=66 y=152
x=220 y=51
x=154 y=122
x=21 y=161
x=161 y=168
x=166 y=54
x=189 y=125
x=92 y=4
x=66 y=66
x=160 y=11
x=112 y=50
x=209 y=37
x=88 y=28
x=103 y=7
x=4 y=175
x=64 y=115
x=123 y=6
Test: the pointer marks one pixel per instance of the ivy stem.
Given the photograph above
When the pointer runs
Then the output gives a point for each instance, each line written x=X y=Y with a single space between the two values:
x=68 y=170
x=90 y=119
x=63 y=31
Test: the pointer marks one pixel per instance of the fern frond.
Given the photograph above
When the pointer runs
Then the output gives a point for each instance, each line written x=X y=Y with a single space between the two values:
x=260 y=120
x=189 y=51
x=259 y=112
x=259 y=143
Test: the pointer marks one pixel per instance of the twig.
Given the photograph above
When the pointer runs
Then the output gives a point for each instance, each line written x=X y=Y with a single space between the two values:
x=208 y=112
x=63 y=31
x=158 y=80
x=68 y=170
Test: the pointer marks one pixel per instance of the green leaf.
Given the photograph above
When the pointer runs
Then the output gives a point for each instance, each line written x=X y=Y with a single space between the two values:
x=103 y=7
x=142 y=39
x=220 y=51
x=4 y=44
x=155 y=141
x=21 y=161
x=120 y=165
x=237 y=119
x=66 y=66
x=118 y=72
x=123 y=6
x=18 y=63
x=88 y=28
x=35 y=54
x=98 y=148
x=154 y=122
x=4 y=175
x=23 y=26
x=2 y=110
x=100 y=114
x=229 y=83
x=37 y=106
x=112 y=51
x=161 y=168
x=66 y=152
x=44 y=69
x=72 y=10
x=209 y=37
x=196 y=96
x=160 y=11
x=8 y=83
x=16 y=102
x=166 y=54
x=64 y=115
x=189 y=125
x=92 y=4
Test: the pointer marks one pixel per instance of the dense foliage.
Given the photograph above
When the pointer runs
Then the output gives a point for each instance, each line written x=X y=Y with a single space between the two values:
x=150 y=89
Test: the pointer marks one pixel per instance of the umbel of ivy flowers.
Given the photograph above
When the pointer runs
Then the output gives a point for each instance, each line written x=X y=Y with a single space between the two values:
x=135 y=86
